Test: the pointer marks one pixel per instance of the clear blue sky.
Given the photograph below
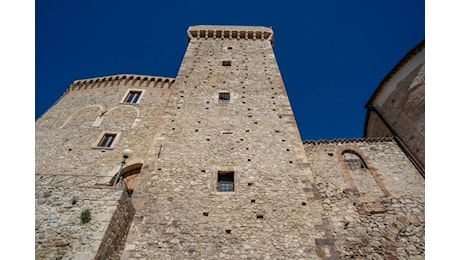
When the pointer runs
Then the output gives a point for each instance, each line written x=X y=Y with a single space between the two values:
x=332 y=54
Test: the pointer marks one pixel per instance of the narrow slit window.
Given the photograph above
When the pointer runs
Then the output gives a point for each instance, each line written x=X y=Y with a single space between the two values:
x=227 y=63
x=133 y=96
x=224 y=96
x=107 y=140
x=225 y=181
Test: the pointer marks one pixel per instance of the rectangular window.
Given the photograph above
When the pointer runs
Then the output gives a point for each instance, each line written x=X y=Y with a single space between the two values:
x=133 y=96
x=107 y=140
x=224 y=96
x=227 y=63
x=225 y=181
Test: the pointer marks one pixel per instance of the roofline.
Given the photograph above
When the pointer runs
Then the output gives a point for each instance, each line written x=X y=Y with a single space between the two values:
x=396 y=68
x=349 y=140
x=118 y=79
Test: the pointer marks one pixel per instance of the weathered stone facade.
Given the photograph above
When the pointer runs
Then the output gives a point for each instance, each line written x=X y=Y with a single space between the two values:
x=60 y=233
x=376 y=209
x=219 y=170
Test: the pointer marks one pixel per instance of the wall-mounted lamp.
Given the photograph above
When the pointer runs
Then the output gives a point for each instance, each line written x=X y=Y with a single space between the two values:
x=126 y=153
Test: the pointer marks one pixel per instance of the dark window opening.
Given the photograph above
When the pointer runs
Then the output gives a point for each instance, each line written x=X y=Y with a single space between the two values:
x=225 y=181
x=224 y=96
x=227 y=63
x=353 y=161
x=133 y=96
x=229 y=48
x=107 y=140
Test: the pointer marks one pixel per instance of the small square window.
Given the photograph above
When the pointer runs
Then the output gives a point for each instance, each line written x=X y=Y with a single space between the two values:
x=133 y=96
x=107 y=140
x=227 y=63
x=225 y=181
x=224 y=96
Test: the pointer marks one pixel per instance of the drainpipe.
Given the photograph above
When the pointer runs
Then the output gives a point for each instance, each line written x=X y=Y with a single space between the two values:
x=402 y=145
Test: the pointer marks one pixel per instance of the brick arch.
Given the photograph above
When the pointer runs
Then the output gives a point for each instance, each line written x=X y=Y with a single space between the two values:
x=84 y=116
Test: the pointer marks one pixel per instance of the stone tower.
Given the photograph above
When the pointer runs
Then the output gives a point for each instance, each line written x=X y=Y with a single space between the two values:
x=227 y=175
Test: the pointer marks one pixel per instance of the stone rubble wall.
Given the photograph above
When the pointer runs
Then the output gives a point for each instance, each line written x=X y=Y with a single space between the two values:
x=273 y=212
x=66 y=136
x=383 y=222
x=60 y=233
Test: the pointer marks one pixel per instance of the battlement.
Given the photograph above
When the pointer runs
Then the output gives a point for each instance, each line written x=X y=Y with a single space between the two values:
x=348 y=140
x=230 y=32
x=131 y=79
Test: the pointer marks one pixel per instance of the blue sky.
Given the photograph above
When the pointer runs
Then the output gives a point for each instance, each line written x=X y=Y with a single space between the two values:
x=332 y=54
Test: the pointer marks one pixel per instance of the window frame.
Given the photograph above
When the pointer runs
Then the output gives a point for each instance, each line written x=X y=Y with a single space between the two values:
x=102 y=136
x=226 y=63
x=226 y=181
x=132 y=91
x=224 y=97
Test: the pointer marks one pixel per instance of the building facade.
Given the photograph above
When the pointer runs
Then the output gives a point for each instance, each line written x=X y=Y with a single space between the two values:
x=219 y=170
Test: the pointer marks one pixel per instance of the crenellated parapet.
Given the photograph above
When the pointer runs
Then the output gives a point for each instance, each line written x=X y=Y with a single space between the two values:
x=230 y=32
x=348 y=140
x=122 y=79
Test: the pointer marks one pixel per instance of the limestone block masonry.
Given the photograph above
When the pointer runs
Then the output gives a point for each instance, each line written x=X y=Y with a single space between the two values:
x=218 y=171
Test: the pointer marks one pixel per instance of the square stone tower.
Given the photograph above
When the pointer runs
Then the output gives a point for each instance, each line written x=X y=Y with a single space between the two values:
x=227 y=175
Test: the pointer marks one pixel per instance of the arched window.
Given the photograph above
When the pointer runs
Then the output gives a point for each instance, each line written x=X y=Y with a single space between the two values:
x=353 y=160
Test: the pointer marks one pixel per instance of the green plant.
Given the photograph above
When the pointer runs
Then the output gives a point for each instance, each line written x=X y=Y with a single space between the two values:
x=85 y=216
x=74 y=200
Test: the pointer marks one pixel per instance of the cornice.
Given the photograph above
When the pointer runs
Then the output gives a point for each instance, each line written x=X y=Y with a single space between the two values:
x=230 y=32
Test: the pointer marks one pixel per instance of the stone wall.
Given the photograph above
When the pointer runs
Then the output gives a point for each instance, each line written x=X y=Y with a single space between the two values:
x=60 y=233
x=376 y=211
x=66 y=136
x=69 y=163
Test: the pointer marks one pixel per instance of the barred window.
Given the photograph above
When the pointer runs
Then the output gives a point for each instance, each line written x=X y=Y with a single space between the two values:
x=225 y=181
x=224 y=96
x=133 y=96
